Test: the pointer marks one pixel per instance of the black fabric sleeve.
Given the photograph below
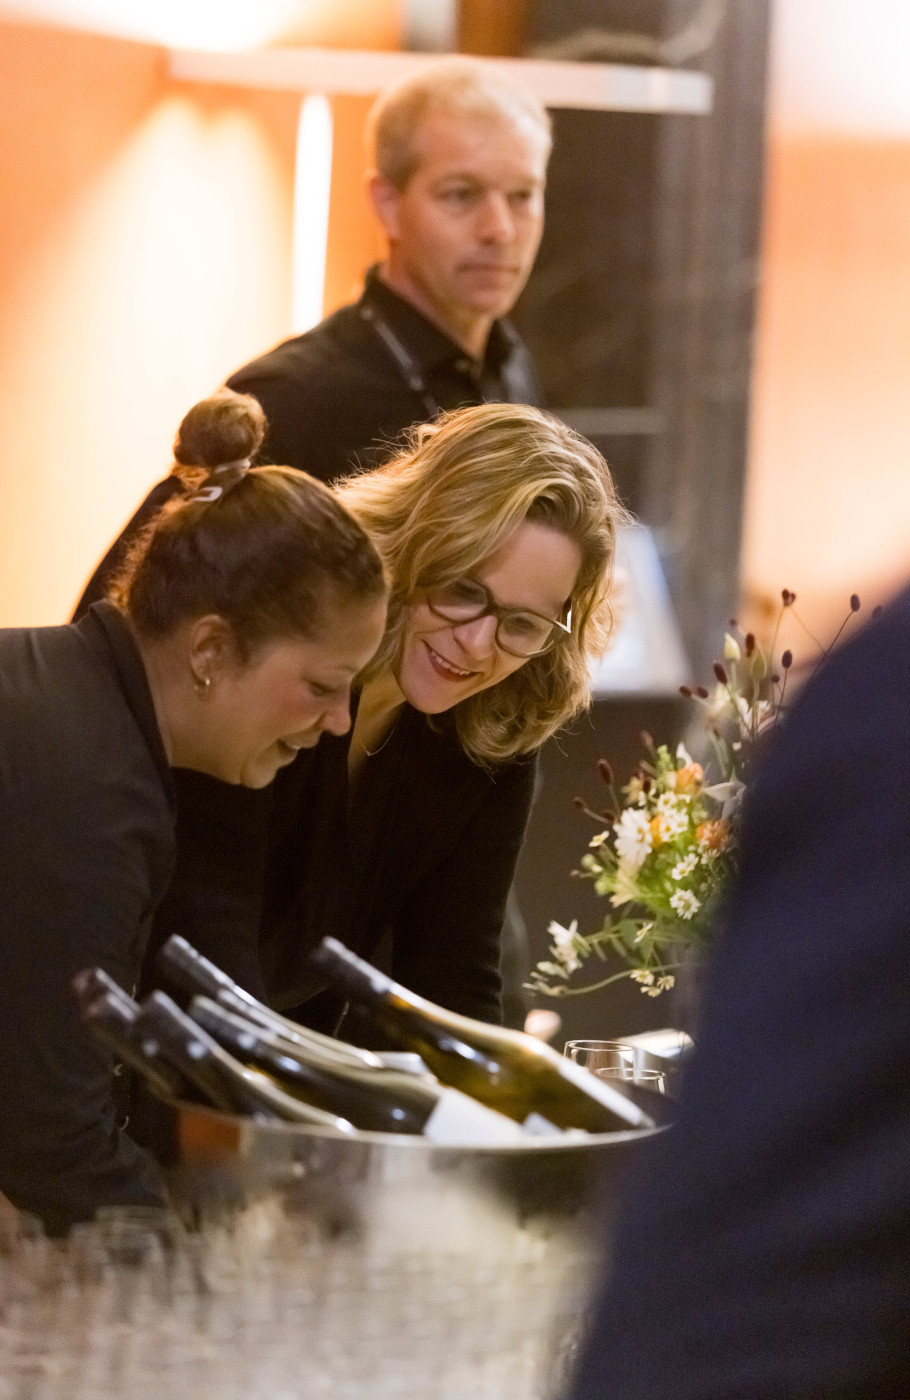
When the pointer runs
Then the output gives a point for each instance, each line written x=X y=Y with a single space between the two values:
x=75 y=857
x=301 y=433
x=446 y=938
x=215 y=896
x=764 y=1252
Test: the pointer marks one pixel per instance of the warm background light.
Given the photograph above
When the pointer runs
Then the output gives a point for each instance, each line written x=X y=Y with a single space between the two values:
x=226 y=25
x=828 y=509
x=145 y=253
x=312 y=199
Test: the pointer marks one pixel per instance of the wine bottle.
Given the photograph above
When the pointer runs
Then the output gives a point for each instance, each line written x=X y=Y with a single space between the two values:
x=374 y=1100
x=512 y=1072
x=94 y=982
x=111 y=1022
x=194 y=974
x=162 y=1028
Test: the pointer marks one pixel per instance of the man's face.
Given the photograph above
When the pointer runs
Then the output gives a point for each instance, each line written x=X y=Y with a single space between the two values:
x=464 y=231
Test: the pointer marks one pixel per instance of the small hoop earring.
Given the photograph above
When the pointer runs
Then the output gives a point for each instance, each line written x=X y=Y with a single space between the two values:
x=202 y=684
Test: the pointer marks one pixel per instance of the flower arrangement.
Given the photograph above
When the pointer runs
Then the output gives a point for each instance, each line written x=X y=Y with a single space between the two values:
x=667 y=844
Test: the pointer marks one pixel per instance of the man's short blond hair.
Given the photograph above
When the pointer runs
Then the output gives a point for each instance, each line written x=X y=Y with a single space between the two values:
x=458 y=85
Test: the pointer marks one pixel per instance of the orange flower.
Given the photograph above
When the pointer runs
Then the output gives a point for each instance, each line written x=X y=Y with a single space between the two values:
x=656 y=830
x=715 y=836
x=687 y=779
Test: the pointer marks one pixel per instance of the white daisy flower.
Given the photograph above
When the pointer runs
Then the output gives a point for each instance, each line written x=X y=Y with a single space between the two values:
x=685 y=903
x=564 y=944
x=633 y=838
x=673 y=824
x=684 y=867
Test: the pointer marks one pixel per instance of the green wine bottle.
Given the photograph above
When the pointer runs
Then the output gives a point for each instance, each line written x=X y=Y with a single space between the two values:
x=507 y=1070
x=110 y=1017
x=374 y=1100
x=195 y=975
x=162 y=1028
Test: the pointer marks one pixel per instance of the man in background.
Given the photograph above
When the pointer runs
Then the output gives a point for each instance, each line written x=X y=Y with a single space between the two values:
x=460 y=156
x=764 y=1249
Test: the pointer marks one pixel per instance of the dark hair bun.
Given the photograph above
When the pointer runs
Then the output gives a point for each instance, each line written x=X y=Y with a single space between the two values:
x=226 y=427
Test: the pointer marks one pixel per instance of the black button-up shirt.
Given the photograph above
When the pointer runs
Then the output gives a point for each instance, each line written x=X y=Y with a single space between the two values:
x=338 y=396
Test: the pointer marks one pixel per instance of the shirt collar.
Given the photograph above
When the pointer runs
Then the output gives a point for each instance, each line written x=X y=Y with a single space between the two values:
x=109 y=635
x=430 y=347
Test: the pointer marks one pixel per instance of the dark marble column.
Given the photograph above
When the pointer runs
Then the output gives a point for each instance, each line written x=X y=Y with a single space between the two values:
x=705 y=240
x=641 y=308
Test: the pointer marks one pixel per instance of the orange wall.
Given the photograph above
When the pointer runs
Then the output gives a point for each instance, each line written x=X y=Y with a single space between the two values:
x=354 y=240
x=145 y=250
x=828 y=502
x=145 y=253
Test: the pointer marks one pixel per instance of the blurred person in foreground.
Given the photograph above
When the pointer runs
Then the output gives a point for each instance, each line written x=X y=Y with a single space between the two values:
x=763 y=1252
x=241 y=620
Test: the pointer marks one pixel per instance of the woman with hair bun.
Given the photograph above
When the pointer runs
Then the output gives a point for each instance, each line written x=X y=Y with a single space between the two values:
x=497 y=526
x=240 y=620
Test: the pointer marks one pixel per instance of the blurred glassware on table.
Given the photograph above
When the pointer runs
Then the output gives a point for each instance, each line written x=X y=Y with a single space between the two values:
x=596 y=1055
x=653 y=1079
x=651 y=1059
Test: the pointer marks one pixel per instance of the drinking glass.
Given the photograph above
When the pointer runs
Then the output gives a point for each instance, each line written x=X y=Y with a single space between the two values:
x=613 y=1059
x=597 y=1055
x=653 y=1079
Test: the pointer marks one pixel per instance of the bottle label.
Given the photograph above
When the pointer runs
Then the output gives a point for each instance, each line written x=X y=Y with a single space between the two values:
x=461 y=1121
x=605 y=1094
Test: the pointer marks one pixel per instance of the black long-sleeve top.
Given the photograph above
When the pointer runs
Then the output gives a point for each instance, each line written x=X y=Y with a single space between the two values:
x=86 y=849
x=420 y=854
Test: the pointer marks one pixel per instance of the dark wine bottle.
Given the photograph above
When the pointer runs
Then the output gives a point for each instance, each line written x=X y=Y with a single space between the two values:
x=374 y=1100
x=162 y=1028
x=505 y=1069
x=93 y=982
x=195 y=975
x=110 y=1017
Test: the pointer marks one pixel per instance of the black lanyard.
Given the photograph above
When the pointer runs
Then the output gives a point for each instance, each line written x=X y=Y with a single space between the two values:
x=404 y=361
x=514 y=385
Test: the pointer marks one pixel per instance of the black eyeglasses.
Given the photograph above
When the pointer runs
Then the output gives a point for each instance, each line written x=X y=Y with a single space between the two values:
x=519 y=631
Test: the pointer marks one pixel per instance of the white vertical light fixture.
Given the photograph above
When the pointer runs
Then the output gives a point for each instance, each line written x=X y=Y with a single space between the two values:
x=312 y=184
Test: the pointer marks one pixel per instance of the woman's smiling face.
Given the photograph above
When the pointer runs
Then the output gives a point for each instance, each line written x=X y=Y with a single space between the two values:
x=256 y=715
x=442 y=663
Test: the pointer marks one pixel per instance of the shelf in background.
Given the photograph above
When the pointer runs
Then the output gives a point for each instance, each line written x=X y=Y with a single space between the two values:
x=605 y=87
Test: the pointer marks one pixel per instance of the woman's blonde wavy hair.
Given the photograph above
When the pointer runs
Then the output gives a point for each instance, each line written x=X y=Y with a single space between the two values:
x=447 y=502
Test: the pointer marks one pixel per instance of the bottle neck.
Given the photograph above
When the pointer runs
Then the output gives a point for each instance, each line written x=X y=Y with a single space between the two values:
x=113 y=1026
